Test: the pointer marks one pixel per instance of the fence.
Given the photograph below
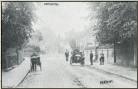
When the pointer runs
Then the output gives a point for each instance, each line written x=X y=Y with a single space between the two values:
x=108 y=54
x=126 y=54
x=12 y=58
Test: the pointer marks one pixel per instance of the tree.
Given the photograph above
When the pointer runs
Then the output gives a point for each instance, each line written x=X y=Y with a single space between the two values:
x=40 y=35
x=72 y=43
x=117 y=21
x=34 y=47
x=17 y=18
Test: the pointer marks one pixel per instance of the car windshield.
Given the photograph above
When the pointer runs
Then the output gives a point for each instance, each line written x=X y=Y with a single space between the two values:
x=76 y=51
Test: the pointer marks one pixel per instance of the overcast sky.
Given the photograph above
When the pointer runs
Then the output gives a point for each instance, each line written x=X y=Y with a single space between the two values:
x=62 y=18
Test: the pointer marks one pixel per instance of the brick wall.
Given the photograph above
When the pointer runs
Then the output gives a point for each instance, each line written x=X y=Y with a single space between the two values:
x=125 y=54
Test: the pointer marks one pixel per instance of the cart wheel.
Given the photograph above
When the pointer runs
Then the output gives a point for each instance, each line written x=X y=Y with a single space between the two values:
x=40 y=66
x=70 y=61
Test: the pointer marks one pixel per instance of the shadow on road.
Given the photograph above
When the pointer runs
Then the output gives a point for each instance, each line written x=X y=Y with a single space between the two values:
x=78 y=65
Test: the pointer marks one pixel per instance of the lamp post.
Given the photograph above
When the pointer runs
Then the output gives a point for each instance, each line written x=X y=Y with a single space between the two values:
x=76 y=43
x=80 y=46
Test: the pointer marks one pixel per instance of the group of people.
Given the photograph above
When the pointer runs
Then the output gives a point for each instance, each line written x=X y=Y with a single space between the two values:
x=101 y=58
x=83 y=56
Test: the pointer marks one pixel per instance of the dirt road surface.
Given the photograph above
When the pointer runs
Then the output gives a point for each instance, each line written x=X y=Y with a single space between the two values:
x=57 y=73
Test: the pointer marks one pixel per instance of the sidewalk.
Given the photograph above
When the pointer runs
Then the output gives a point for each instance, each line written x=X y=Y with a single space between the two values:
x=125 y=72
x=13 y=77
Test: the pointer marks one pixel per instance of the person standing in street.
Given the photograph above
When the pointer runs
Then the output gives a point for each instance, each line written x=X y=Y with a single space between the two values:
x=91 y=58
x=83 y=57
x=102 y=59
x=67 y=55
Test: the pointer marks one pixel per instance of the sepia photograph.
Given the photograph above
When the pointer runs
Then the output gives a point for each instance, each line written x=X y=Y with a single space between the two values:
x=72 y=44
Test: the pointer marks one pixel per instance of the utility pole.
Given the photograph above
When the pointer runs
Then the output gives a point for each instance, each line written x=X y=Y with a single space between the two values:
x=76 y=43
x=80 y=46
x=135 y=53
x=17 y=52
x=115 y=47
x=107 y=55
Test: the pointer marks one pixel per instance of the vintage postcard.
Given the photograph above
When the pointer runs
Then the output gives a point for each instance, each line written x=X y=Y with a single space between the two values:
x=68 y=44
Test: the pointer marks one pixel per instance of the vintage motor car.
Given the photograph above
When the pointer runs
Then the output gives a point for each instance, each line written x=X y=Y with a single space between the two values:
x=76 y=57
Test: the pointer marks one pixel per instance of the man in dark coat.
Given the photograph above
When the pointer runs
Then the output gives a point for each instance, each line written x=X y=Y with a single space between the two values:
x=67 y=55
x=102 y=59
x=83 y=57
x=91 y=58
x=33 y=67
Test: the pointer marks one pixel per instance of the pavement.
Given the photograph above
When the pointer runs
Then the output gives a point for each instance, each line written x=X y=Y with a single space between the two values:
x=129 y=73
x=12 y=78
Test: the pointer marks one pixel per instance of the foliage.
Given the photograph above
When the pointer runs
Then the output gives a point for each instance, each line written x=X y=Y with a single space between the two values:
x=35 y=48
x=75 y=38
x=40 y=35
x=117 y=21
x=72 y=43
x=17 y=18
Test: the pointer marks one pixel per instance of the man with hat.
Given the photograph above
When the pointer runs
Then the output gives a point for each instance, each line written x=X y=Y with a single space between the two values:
x=91 y=58
x=33 y=67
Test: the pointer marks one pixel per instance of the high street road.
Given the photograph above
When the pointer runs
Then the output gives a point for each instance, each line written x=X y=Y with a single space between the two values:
x=57 y=73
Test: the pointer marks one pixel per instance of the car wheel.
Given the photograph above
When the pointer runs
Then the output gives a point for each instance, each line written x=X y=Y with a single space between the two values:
x=82 y=62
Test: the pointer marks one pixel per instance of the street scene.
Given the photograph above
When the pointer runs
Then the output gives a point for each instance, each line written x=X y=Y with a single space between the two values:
x=69 y=45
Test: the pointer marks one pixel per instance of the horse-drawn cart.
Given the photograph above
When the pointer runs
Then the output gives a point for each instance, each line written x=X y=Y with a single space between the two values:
x=35 y=60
